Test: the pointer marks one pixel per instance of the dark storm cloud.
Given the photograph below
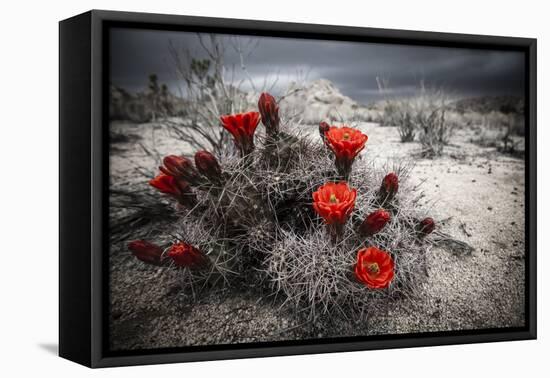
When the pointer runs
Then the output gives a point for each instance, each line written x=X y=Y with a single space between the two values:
x=352 y=67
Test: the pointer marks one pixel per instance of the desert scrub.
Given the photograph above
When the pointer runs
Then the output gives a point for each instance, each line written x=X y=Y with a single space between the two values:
x=400 y=113
x=391 y=112
x=405 y=122
x=307 y=218
x=423 y=116
x=434 y=132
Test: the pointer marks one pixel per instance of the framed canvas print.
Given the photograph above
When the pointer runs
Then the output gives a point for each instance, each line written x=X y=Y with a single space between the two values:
x=233 y=188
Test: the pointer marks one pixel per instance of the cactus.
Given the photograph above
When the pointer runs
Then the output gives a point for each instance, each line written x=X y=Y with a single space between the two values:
x=258 y=216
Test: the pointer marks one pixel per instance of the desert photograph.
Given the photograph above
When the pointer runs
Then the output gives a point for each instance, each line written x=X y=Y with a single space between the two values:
x=266 y=189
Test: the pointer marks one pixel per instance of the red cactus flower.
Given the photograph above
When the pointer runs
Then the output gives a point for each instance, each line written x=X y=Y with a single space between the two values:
x=185 y=255
x=346 y=143
x=208 y=165
x=334 y=202
x=270 y=113
x=426 y=226
x=390 y=185
x=242 y=126
x=175 y=187
x=181 y=167
x=374 y=268
x=147 y=252
x=374 y=222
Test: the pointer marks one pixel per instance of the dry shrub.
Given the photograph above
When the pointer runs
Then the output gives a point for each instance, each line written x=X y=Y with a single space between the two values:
x=425 y=116
x=406 y=124
x=399 y=112
x=435 y=133
x=392 y=112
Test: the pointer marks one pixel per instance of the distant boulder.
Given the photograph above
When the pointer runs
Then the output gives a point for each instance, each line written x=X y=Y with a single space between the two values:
x=319 y=101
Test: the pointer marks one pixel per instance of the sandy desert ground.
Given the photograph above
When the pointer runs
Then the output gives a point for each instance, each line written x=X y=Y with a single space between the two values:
x=476 y=194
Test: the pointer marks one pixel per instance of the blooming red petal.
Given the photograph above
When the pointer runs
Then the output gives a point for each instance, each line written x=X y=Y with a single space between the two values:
x=242 y=126
x=374 y=268
x=334 y=202
x=346 y=143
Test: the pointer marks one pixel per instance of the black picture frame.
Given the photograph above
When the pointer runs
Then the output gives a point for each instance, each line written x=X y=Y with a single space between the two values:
x=83 y=195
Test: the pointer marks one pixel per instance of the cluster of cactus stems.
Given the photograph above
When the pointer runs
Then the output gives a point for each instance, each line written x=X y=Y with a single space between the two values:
x=263 y=210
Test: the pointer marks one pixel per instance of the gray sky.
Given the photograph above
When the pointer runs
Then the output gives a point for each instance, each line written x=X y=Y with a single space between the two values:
x=351 y=66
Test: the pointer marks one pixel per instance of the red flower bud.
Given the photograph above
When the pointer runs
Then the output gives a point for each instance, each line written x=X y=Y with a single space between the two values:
x=374 y=222
x=323 y=128
x=389 y=187
x=208 y=165
x=185 y=255
x=426 y=226
x=270 y=113
x=147 y=252
x=242 y=126
x=181 y=167
x=175 y=187
x=165 y=184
